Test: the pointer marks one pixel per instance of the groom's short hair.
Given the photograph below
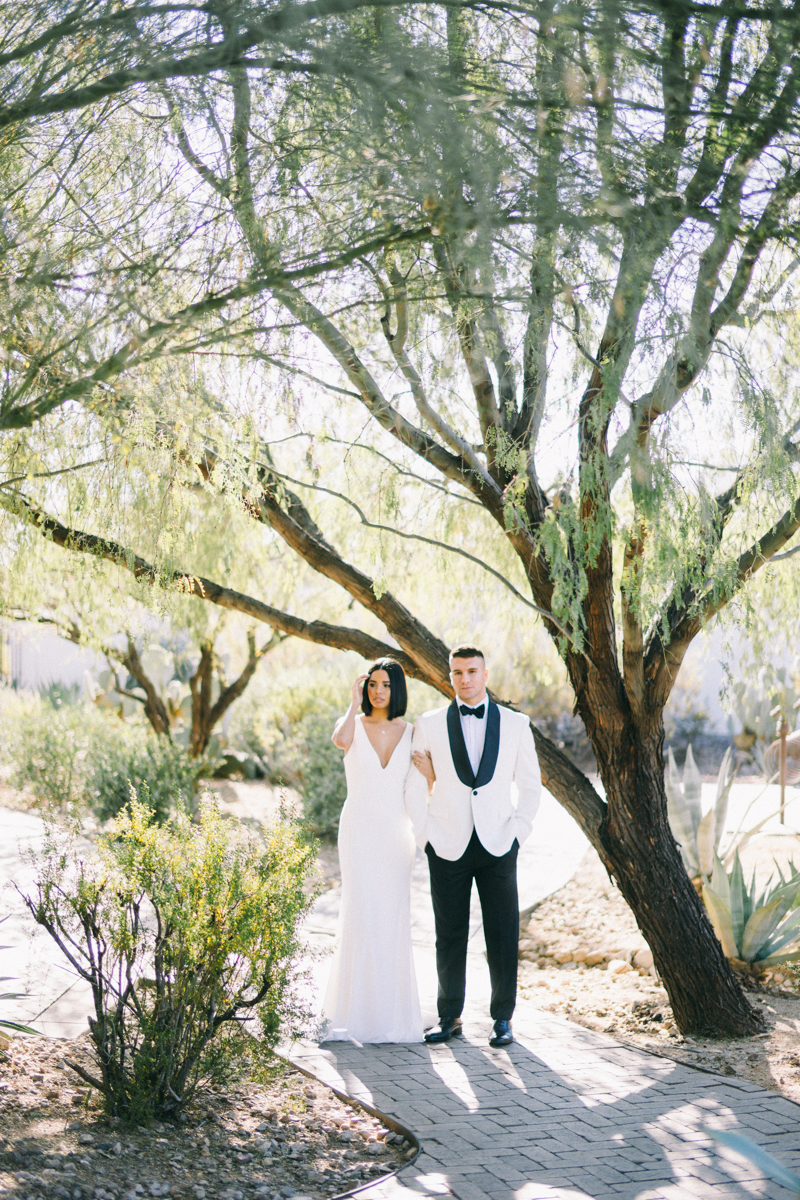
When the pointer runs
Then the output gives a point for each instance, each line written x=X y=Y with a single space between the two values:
x=465 y=651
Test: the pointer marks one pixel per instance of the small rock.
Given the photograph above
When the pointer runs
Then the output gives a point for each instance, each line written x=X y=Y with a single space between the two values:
x=643 y=959
x=85 y=1139
x=286 y=1192
x=376 y=1148
x=580 y=955
x=563 y=956
x=569 y=966
x=594 y=959
x=116 y=1148
x=618 y=966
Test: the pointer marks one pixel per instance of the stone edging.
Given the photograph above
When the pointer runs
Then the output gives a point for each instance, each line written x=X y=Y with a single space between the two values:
x=388 y=1121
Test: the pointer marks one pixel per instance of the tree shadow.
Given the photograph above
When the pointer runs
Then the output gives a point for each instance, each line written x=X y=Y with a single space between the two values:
x=563 y=1112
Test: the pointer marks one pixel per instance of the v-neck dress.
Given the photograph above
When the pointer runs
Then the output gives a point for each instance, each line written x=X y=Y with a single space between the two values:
x=372 y=989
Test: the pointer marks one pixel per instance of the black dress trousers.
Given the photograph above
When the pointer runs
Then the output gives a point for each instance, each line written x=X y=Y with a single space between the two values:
x=451 y=887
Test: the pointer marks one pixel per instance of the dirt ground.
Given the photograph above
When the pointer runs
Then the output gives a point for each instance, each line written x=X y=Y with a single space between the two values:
x=292 y=1138
x=588 y=919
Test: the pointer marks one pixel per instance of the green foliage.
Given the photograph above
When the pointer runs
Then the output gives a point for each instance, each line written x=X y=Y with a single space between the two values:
x=76 y=756
x=754 y=927
x=187 y=934
x=50 y=748
x=755 y=701
x=288 y=724
x=160 y=772
x=314 y=766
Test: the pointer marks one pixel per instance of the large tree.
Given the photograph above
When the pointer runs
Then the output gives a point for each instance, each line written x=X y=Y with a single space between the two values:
x=546 y=251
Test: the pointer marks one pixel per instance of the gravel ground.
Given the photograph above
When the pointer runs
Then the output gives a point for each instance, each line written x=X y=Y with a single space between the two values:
x=588 y=920
x=292 y=1138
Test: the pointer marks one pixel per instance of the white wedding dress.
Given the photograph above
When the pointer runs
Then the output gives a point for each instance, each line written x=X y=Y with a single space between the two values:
x=372 y=990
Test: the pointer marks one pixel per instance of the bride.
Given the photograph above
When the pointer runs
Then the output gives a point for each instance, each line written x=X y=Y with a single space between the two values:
x=372 y=990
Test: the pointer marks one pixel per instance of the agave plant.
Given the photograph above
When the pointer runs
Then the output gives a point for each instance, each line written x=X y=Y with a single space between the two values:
x=699 y=834
x=766 y=1163
x=752 y=927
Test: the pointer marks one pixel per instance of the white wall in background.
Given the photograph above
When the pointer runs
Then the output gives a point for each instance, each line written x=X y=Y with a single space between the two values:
x=34 y=656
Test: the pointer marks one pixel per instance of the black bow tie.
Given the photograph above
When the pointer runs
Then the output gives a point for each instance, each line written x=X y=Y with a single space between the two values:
x=472 y=712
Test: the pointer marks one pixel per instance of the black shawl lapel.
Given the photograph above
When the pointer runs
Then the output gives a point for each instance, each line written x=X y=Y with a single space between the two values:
x=458 y=748
x=491 y=745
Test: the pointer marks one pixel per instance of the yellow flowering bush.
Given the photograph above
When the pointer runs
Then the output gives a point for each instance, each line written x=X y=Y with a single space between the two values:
x=187 y=933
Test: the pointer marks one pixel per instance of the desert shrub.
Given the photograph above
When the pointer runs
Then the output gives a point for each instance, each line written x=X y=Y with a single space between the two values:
x=289 y=726
x=187 y=934
x=313 y=765
x=48 y=747
x=72 y=756
x=160 y=772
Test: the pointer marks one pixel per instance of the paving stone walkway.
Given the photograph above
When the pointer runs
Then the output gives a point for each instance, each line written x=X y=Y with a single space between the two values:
x=564 y=1112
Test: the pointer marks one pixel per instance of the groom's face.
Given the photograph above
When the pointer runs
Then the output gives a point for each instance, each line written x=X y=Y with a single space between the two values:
x=468 y=676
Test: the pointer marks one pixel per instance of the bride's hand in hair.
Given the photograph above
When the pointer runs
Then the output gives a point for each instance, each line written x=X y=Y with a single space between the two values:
x=424 y=764
x=358 y=690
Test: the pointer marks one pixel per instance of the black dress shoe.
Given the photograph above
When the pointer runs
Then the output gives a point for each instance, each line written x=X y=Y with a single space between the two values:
x=447 y=1027
x=501 y=1034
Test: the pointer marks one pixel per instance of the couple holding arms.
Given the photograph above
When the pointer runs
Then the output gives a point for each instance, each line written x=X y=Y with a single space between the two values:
x=449 y=788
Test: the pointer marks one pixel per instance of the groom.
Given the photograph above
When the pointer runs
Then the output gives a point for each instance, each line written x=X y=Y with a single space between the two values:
x=471 y=829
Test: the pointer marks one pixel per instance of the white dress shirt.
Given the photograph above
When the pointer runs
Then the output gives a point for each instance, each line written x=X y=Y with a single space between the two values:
x=474 y=730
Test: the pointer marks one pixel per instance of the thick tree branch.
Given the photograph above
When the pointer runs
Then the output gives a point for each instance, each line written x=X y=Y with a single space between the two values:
x=418 y=537
x=396 y=343
x=323 y=634
x=663 y=656
x=154 y=706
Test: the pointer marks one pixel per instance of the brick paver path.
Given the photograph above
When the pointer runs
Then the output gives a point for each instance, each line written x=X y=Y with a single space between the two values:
x=564 y=1112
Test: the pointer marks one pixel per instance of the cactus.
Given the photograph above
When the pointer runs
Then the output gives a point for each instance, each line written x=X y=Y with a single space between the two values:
x=751 y=927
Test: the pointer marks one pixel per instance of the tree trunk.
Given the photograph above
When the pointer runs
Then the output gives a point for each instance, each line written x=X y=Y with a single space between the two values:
x=200 y=685
x=641 y=855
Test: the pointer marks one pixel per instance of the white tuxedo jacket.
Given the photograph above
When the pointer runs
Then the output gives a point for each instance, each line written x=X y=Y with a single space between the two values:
x=461 y=801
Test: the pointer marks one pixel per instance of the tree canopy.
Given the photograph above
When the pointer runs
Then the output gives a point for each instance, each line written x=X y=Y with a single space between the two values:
x=504 y=288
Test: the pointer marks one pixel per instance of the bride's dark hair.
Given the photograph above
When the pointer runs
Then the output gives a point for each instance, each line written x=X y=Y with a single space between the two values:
x=398 y=698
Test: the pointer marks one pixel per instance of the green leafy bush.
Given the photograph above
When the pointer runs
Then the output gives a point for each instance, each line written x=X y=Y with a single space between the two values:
x=160 y=772
x=49 y=748
x=187 y=934
x=309 y=761
x=76 y=755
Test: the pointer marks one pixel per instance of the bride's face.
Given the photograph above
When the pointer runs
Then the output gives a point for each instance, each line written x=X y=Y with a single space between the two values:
x=379 y=689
